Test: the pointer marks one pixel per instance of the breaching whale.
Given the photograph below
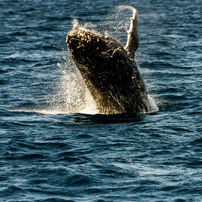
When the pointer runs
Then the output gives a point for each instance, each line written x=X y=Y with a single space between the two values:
x=109 y=70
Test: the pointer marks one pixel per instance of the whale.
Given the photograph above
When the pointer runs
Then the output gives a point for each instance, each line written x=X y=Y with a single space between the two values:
x=109 y=70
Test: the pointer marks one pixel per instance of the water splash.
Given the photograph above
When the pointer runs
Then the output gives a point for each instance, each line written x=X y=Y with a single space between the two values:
x=117 y=21
x=153 y=106
x=75 y=94
x=75 y=22
x=90 y=105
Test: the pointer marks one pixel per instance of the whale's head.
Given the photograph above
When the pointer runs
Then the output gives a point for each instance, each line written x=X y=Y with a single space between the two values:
x=91 y=50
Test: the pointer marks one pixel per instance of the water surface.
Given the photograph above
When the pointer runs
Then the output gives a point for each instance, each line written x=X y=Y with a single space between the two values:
x=50 y=150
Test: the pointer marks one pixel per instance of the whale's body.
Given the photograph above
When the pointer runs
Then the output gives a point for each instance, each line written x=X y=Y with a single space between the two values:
x=109 y=71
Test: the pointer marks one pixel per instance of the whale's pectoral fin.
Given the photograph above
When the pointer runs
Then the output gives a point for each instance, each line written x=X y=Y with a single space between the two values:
x=133 y=36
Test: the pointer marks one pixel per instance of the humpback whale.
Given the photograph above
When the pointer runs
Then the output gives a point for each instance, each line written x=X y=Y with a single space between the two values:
x=109 y=70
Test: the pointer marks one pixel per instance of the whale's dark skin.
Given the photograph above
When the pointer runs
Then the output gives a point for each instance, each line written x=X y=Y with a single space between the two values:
x=109 y=72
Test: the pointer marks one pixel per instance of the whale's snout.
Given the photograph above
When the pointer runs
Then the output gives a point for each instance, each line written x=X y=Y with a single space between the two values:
x=88 y=48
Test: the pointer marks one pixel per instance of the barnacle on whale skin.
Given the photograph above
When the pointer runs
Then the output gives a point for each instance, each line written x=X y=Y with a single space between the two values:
x=104 y=53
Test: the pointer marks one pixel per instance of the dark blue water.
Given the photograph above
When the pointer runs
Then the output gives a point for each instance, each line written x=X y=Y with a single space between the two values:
x=50 y=150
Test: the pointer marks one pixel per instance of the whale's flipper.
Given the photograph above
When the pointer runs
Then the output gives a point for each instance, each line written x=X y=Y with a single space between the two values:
x=133 y=36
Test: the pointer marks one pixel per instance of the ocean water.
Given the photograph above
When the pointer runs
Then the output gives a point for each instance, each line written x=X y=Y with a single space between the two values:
x=54 y=146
